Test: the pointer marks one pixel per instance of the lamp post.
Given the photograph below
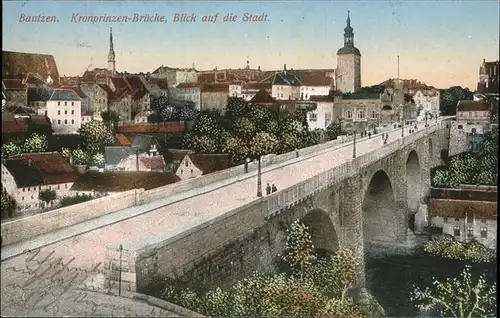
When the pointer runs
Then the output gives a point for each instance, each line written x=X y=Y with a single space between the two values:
x=259 y=174
x=426 y=115
x=120 y=277
x=247 y=161
x=354 y=145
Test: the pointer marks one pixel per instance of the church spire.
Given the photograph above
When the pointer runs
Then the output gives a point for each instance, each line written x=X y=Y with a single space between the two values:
x=348 y=32
x=111 y=54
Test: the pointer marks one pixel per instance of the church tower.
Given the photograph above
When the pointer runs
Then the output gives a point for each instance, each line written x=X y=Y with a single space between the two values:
x=111 y=54
x=348 y=72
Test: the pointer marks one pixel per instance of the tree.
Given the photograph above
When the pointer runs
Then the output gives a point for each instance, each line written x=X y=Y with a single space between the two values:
x=80 y=157
x=449 y=99
x=262 y=144
x=98 y=159
x=237 y=107
x=111 y=119
x=9 y=204
x=289 y=142
x=206 y=125
x=47 y=196
x=237 y=149
x=161 y=106
x=244 y=128
x=35 y=143
x=11 y=149
x=187 y=113
x=67 y=201
x=333 y=130
x=95 y=136
x=299 y=248
x=457 y=297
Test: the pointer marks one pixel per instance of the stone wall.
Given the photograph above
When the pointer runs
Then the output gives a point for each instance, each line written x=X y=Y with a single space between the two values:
x=32 y=226
x=459 y=141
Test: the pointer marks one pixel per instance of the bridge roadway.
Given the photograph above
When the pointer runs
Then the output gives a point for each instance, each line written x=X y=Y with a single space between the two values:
x=84 y=244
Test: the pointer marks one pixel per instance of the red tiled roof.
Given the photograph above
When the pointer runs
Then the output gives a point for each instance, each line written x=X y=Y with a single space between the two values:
x=21 y=125
x=19 y=65
x=122 y=140
x=14 y=84
x=472 y=105
x=52 y=166
x=313 y=77
x=96 y=75
x=460 y=208
x=106 y=88
x=156 y=162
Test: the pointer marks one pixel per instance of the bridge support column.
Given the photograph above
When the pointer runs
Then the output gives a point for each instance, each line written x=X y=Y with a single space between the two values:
x=351 y=222
x=402 y=215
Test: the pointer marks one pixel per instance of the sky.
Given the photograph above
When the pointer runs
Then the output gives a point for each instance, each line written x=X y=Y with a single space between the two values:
x=441 y=43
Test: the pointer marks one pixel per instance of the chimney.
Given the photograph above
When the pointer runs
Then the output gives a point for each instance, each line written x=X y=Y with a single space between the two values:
x=284 y=67
x=258 y=68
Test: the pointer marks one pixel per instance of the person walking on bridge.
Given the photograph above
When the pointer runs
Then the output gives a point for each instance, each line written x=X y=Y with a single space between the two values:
x=273 y=188
x=268 y=189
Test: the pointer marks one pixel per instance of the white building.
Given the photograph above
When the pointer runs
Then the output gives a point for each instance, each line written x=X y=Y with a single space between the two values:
x=322 y=116
x=285 y=86
x=176 y=76
x=248 y=90
x=235 y=90
x=62 y=106
x=196 y=165
x=427 y=100
x=25 y=176
x=188 y=92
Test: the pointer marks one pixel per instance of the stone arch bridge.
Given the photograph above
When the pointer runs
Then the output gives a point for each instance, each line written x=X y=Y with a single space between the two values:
x=371 y=198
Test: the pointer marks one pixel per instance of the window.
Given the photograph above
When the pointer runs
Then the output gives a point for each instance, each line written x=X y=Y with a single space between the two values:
x=313 y=116
x=72 y=122
x=281 y=95
x=58 y=121
x=58 y=187
x=191 y=171
x=186 y=163
x=470 y=232
x=65 y=112
x=45 y=113
x=456 y=231
x=348 y=114
x=66 y=186
x=182 y=171
x=72 y=104
x=58 y=103
x=24 y=189
x=59 y=112
x=484 y=232
x=445 y=219
x=65 y=103
x=65 y=121
x=361 y=114
x=460 y=127
x=473 y=130
x=23 y=198
x=373 y=114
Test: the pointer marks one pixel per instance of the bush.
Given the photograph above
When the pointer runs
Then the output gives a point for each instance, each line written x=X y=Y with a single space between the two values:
x=447 y=248
x=70 y=200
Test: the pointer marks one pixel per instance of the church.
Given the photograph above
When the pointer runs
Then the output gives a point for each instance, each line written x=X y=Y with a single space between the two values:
x=348 y=72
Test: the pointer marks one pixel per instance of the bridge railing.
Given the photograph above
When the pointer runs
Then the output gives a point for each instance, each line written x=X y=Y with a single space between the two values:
x=294 y=194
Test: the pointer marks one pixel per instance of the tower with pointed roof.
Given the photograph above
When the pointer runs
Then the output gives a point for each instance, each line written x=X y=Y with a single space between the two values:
x=111 y=54
x=348 y=72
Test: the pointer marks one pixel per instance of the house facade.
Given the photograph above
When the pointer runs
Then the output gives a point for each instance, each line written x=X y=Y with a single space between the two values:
x=98 y=95
x=175 y=76
x=322 y=116
x=358 y=114
x=16 y=92
x=141 y=162
x=285 y=85
x=188 y=92
x=196 y=165
x=427 y=101
x=249 y=90
x=62 y=106
x=25 y=176
x=214 y=96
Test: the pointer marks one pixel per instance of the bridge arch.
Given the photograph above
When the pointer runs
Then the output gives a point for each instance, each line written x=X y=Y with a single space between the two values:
x=379 y=210
x=322 y=230
x=413 y=182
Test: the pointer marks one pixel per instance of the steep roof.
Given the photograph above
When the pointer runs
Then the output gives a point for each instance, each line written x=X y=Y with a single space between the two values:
x=263 y=97
x=77 y=90
x=19 y=65
x=122 y=140
x=114 y=154
x=11 y=125
x=215 y=88
x=96 y=75
x=209 y=163
x=472 y=105
x=123 y=181
x=143 y=142
x=314 y=77
x=189 y=85
x=285 y=78
x=460 y=208
x=154 y=162
x=51 y=168
x=45 y=94
x=172 y=155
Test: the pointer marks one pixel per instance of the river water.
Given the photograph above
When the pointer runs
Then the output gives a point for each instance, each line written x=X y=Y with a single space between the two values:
x=390 y=279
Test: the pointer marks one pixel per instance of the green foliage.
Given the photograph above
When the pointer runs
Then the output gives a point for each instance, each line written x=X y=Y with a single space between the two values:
x=98 y=159
x=80 y=157
x=452 y=249
x=95 y=136
x=457 y=297
x=263 y=143
x=79 y=198
x=237 y=107
x=111 y=119
x=9 y=204
x=299 y=248
x=467 y=168
x=35 y=143
x=244 y=128
x=449 y=99
x=47 y=195
x=237 y=149
x=321 y=291
x=11 y=149
x=333 y=130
